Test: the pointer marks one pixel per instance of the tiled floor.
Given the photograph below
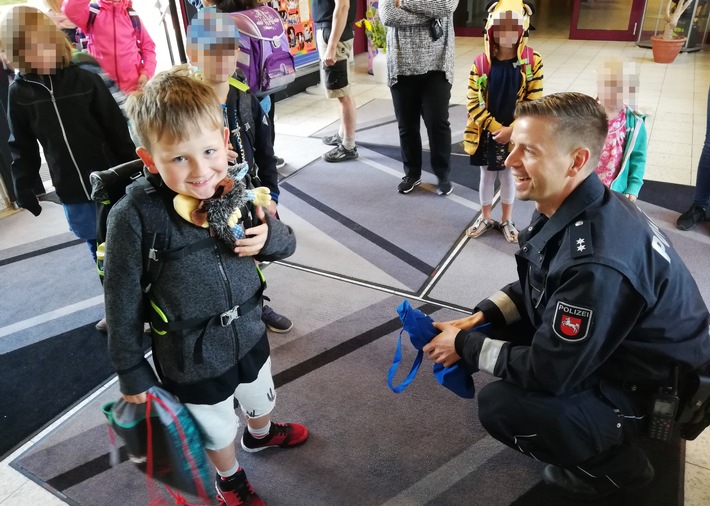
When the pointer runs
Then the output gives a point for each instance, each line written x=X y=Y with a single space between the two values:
x=672 y=96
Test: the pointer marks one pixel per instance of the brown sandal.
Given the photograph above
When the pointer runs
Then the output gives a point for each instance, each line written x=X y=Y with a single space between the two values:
x=480 y=227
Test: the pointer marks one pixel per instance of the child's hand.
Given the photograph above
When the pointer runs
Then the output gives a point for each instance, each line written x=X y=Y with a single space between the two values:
x=135 y=399
x=231 y=154
x=142 y=80
x=256 y=237
x=632 y=198
x=271 y=209
x=502 y=136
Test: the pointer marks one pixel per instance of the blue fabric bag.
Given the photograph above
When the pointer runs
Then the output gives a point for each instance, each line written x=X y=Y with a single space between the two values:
x=421 y=330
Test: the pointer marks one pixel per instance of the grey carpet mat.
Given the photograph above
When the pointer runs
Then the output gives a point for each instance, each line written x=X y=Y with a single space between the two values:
x=357 y=205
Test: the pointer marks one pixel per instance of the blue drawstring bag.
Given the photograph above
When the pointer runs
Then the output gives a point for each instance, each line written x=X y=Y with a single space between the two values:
x=421 y=330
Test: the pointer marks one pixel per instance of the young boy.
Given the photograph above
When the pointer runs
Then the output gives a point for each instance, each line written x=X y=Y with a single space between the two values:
x=184 y=147
x=213 y=46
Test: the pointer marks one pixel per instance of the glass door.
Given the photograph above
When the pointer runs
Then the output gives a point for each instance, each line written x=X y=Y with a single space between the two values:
x=606 y=19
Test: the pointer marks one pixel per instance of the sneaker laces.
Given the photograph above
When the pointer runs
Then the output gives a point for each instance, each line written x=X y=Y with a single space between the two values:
x=242 y=488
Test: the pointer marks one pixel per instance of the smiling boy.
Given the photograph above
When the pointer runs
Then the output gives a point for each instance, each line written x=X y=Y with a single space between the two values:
x=184 y=148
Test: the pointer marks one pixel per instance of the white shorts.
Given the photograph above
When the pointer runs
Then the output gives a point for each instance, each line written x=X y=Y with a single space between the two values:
x=219 y=422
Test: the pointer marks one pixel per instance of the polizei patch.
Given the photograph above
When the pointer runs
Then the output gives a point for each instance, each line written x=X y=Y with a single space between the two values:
x=571 y=322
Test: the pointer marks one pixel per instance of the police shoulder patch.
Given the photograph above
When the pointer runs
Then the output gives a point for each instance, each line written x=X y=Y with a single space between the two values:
x=571 y=322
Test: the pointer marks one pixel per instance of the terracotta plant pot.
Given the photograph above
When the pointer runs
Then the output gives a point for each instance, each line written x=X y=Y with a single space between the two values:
x=666 y=50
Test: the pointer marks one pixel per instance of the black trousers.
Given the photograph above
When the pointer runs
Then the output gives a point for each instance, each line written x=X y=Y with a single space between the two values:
x=423 y=96
x=592 y=433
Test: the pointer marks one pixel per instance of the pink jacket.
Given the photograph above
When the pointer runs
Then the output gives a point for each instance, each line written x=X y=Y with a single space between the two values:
x=113 y=41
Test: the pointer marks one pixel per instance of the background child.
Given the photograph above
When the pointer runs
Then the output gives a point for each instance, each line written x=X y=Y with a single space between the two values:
x=184 y=147
x=623 y=159
x=492 y=98
x=54 y=11
x=126 y=54
x=213 y=46
x=69 y=111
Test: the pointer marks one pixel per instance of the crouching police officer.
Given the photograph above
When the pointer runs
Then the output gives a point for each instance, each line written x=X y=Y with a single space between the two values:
x=604 y=316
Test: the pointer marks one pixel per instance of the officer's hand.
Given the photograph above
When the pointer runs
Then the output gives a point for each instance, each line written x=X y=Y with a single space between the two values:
x=441 y=349
x=469 y=322
x=135 y=399
x=255 y=237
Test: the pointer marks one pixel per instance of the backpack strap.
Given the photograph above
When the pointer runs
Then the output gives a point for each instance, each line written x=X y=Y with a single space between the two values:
x=483 y=67
x=527 y=62
x=156 y=228
x=94 y=9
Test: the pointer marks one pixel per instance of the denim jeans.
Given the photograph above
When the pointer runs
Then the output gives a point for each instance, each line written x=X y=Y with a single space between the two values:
x=82 y=222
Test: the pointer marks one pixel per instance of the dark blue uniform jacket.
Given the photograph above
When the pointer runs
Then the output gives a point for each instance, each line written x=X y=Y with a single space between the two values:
x=606 y=296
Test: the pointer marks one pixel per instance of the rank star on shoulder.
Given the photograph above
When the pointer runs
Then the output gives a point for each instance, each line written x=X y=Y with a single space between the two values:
x=581 y=247
x=580 y=241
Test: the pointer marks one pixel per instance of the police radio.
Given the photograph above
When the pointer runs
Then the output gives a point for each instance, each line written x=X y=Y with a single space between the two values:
x=664 y=410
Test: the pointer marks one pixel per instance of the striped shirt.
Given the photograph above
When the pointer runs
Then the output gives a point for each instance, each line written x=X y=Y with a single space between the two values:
x=410 y=48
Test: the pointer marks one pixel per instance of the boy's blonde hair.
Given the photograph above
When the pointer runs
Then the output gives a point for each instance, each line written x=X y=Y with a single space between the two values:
x=173 y=104
x=18 y=29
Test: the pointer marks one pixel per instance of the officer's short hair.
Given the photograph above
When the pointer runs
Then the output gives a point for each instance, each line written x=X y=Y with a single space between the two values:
x=579 y=120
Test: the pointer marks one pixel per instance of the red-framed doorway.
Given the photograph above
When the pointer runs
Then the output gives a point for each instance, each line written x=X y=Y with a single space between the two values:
x=618 y=20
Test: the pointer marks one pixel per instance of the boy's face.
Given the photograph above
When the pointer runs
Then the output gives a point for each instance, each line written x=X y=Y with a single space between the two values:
x=192 y=167
x=217 y=63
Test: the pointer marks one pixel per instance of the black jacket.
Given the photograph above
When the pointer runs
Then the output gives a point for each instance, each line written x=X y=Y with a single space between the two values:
x=245 y=110
x=606 y=295
x=81 y=129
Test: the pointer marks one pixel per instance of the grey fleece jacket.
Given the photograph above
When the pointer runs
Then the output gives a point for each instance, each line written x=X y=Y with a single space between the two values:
x=411 y=51
x=204 y=283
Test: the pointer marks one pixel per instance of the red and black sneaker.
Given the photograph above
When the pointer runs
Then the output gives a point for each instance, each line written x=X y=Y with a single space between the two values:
x=282 y=435
x=236 y=491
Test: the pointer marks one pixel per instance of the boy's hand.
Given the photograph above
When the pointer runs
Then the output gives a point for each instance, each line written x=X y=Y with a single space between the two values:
x=135 y=399
x=502 y=136
x=271 y=208
x=256 y=237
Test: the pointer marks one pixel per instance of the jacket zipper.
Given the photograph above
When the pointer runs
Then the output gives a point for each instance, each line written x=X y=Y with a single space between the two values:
x=632 y=145
x=228 y=292
x=64 y=134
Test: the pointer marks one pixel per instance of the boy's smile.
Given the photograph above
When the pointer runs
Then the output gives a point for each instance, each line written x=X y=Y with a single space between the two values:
x=193 y=166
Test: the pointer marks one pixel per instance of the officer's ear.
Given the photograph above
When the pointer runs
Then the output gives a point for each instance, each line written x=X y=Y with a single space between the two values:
x=580 y=160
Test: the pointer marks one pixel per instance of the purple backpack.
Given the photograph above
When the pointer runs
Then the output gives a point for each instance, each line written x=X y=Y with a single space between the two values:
x=264 y=54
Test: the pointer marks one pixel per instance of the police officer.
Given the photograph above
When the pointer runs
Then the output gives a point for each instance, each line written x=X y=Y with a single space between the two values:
x=603 y=312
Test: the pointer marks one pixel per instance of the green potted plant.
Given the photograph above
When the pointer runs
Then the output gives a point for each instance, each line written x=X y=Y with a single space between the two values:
x=667 y=46
x=377 y=38
x=374 y=29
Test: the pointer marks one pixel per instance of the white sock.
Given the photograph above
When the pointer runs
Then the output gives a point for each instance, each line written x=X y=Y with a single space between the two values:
x=341 y=132
x=349 y=142
x=229 y=472
x=260 y=433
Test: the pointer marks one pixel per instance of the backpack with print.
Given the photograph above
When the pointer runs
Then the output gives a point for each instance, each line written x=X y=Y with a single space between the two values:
x=264 y=54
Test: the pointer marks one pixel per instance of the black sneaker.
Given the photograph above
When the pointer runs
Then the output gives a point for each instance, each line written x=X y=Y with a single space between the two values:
x=275 y=322
x=333 y=140
x=280 y=162
x=691 y=217
x=340 y=153
x=444 y=188
x=408 y=184
x=236 y=491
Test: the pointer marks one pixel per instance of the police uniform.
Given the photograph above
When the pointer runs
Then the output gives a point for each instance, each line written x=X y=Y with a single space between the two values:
x=603 y=311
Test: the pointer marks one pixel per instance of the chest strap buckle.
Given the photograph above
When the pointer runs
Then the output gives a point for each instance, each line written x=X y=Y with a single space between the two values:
x=228 y=317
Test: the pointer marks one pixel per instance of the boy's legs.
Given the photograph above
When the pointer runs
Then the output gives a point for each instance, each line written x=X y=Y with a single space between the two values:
x=257 y=399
